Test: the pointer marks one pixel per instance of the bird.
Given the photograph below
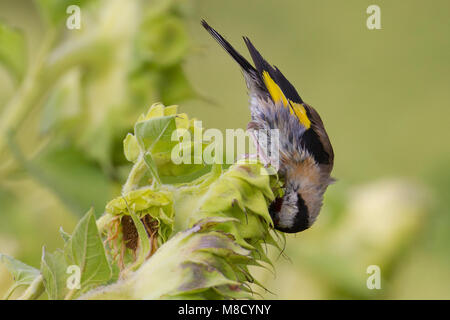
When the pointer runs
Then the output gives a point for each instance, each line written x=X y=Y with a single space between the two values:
x=306 y=156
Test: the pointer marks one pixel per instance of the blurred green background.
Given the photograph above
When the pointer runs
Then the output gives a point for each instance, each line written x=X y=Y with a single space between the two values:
x=68 y=97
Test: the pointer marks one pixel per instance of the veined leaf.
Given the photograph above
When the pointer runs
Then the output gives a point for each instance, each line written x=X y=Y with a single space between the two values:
x=150 y=163
x=53 y=267
x=23 y=274
x=85 y=249
x=155 y=134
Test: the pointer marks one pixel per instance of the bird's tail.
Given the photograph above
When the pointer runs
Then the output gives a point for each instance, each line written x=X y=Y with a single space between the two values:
x=245 y=65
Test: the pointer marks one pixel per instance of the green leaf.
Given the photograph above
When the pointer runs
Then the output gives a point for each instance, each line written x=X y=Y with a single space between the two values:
x=144 y=241
x=54 y=267
x=155 y=134
x=226 y=213
x=131 y=148
x=148 y=159
x=145 y=201
x=163 y=133
x=241 y=192
x=85 y=249
x=186 y=266
x=23 y=274
x=13 y=53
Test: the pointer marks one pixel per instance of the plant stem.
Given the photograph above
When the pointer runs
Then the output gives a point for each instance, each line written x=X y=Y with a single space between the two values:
x=70 y=294
x=10 y=291
x=136 y=174
x=35 y=289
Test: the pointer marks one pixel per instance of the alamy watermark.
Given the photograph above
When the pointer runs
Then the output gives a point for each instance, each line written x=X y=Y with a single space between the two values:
x=255 y=145
x=73 y=281
x=374 y=280
x=74 y=19
x=374 y=20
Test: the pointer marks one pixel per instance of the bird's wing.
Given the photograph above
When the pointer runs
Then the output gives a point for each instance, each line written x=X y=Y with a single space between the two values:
x=281 y=91
x=316 y=140
x=267 y=82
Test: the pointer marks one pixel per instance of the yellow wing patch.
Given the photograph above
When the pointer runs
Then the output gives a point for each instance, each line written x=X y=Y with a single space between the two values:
x=274 y=90
x=278 y=96
x=300 y=112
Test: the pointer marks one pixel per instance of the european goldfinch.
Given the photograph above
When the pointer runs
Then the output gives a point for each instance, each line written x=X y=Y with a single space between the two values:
x=306 y=155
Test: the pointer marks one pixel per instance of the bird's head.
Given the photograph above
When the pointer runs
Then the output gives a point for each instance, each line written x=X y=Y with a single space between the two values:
x=300 y=205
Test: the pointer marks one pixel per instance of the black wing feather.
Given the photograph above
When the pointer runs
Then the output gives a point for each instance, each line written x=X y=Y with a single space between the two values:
x=288 y=89
x=262 y=65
